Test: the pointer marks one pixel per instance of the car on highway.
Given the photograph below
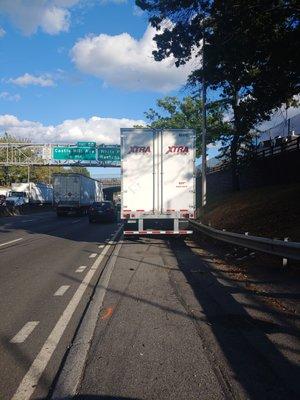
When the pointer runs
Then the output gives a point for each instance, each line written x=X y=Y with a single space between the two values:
x=103 y=211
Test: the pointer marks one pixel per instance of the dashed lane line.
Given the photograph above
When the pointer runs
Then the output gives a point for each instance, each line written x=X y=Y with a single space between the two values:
x=81 y=269
x=62 y=290
x=93 y=255
x=32 y=377
x=23 y=334
x=12 y=241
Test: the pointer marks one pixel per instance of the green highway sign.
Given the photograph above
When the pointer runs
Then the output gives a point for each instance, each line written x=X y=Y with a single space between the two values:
x=74 y=153
x=90 y=152
x=109 y=153
x=86 y=144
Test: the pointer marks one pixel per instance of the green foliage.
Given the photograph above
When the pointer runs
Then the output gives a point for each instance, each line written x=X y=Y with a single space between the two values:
x=250 y=54
x=173 y=113
x=79 y=170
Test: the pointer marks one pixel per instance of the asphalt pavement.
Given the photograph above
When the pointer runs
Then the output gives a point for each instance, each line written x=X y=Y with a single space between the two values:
x=170 y=327
x=89 y=315
x=44 y=261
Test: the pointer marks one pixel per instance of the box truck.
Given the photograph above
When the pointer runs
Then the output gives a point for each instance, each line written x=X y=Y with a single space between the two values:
x=74 y=193
x=157 y=181
x=29 y=193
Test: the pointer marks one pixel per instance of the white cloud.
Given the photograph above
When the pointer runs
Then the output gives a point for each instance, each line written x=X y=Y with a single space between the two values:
x=128 y=63
x=51 y=16
x=9 y=97
x=101 y=130
x=28 y=79
x=2 y=32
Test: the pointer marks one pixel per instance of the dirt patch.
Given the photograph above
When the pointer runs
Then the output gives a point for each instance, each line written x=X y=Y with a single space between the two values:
x=272 y=211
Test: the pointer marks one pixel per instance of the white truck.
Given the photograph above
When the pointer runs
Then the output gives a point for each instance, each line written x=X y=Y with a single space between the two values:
x=74 y=193
x=158 y=181
x=29 y=193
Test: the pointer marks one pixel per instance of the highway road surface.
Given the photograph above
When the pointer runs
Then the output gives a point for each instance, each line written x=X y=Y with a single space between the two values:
x=164 y=321
x=44 y=260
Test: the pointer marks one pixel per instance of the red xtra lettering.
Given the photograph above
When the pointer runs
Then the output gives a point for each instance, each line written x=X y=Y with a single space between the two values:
x=178 y=149
x=139 y=149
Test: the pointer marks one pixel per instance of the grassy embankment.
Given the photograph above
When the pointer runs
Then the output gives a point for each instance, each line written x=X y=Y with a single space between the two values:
x=272 y=211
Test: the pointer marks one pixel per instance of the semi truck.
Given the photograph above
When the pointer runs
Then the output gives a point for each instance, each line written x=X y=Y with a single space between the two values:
x=74 y=193
x=29 y=193
x=157 y=181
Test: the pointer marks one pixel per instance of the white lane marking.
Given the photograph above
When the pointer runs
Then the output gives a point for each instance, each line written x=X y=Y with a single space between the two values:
x=81 y=269
x=27 y=220
x=101 y=246
x=93 y=255
x=12 y=241
x=31 y=379
x=62 y=290
x=24 y=332
x=75 y=222
x=71 y=374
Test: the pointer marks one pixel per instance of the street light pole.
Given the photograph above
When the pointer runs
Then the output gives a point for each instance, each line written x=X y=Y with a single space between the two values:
x=203 y=183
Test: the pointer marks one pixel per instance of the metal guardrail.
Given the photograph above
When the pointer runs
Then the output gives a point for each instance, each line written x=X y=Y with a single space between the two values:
x=284 y=249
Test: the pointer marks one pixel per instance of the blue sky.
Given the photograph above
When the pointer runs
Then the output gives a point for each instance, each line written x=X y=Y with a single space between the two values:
x=78 y=69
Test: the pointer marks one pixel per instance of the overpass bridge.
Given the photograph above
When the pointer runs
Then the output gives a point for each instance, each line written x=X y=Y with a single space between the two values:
x=40 y=154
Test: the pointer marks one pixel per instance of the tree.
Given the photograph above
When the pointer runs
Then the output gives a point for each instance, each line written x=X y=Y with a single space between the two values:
x=79 y=170
x=249 y=54
x=187 y=113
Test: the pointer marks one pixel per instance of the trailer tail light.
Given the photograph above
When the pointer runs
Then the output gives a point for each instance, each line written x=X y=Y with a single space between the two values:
x=186 y=216
x=126 y=216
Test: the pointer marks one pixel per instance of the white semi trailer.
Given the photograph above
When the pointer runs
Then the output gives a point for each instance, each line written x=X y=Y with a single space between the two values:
x=30 y=193
x=158 y=181
x=74 y=193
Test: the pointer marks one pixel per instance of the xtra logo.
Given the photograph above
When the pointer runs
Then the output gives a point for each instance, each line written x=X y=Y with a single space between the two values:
x=139 y=149
x=178 y=149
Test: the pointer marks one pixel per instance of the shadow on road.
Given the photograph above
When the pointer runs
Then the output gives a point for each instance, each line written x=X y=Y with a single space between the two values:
x=231 y=336
x=258 y=365
x=70 y=227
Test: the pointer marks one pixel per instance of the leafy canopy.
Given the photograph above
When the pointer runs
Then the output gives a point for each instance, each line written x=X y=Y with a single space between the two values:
x=174 y=113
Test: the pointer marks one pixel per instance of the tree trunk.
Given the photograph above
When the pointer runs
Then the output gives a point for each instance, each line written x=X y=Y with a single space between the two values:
x=234 y=144
x=234 y=164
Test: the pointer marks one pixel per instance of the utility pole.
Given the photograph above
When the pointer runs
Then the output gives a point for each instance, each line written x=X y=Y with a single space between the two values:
x=203 y=183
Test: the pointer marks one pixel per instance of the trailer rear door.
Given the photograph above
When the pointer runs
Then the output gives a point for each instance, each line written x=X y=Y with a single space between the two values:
x=137 y=171
x=178 y=181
